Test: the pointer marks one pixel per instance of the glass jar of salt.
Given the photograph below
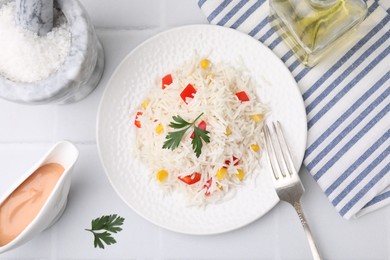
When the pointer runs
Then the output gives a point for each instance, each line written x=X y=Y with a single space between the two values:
x=311 y=27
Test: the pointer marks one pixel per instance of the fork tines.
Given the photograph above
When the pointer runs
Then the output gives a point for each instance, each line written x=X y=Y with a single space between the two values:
x=279 y=156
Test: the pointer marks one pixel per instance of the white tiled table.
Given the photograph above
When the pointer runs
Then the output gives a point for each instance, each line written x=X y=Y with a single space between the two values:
x=27 y=132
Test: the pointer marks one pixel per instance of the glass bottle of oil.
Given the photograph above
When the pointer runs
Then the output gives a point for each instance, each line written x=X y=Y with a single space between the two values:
x=311 y=27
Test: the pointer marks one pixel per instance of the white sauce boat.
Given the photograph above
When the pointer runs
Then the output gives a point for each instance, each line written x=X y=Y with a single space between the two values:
x=65 y=154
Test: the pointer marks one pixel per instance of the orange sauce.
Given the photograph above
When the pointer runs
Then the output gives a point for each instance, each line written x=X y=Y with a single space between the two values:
x=24 y=203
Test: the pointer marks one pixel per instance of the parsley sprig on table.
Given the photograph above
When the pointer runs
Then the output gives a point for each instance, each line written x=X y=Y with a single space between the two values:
x=108 y=224
x=173 y=139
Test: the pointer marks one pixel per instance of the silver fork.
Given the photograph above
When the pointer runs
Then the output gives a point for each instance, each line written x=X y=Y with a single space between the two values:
x=286 y=180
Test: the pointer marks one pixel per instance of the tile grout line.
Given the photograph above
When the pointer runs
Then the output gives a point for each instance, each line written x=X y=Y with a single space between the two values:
x=57 y=124
x=127 y=28
x=45 y=143
x=163 y=19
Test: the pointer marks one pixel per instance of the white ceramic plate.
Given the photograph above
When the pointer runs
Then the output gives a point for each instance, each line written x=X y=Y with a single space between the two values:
x=129 y=85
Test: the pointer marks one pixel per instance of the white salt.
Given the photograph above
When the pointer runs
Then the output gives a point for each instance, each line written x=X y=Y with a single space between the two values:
x=27 y=57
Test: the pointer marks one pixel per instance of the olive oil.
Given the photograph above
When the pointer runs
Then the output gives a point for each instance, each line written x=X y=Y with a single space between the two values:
x=311 y=27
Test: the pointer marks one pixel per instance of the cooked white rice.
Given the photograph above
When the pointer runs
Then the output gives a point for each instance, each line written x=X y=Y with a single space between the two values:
x=215 y=97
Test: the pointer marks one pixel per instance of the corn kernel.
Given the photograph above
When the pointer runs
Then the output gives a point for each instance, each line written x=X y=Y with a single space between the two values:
x=145 y=104
x=159 y=129
x=204 y=64
x=219 y=186
x=228 y=131
x=257 y=118
x=221 y=174
x=240 y=174
x=255 y=147
x=161 y=175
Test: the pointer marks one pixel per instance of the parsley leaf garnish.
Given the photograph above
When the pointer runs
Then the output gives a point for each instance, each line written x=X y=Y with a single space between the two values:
x=197 y=144
x=110 y=224
x=173 y=139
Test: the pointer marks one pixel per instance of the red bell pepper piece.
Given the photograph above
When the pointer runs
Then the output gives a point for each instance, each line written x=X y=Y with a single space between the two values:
x=242 y=96
x=191 y=179
x=137 y=123
x=166 y=80
x=202 y=125
x=188 y=92
x=207 y=186
x=227 y=162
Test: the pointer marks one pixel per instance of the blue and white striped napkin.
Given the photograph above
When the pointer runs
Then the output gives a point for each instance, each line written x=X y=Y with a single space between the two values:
x=347 y=103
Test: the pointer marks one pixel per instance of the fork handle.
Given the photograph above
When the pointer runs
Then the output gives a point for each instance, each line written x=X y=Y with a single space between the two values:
x=305 y=225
